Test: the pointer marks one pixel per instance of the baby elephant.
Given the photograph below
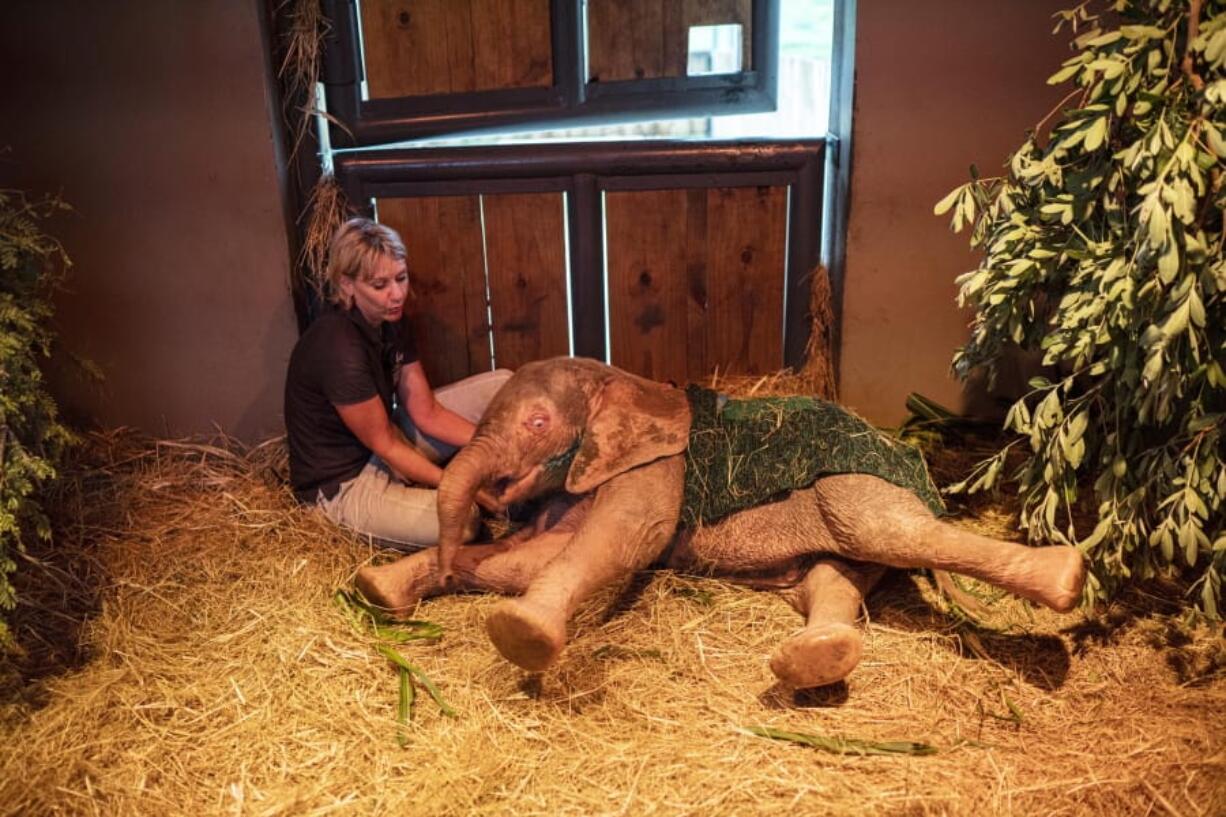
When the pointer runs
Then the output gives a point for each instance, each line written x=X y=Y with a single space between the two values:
x=776 y=491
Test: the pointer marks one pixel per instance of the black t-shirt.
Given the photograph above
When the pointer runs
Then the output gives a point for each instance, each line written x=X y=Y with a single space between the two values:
x=340 y=359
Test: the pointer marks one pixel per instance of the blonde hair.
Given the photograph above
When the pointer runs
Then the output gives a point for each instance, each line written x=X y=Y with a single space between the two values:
x=355 y=248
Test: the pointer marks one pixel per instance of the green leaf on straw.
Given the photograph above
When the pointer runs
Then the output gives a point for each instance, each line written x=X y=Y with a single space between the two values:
x=412 y=630
x=362 y=614
x=1013 y=708
x=343 y=602
x=400 y=661
x=358 y=610
x=845 y=746
x=404 y=708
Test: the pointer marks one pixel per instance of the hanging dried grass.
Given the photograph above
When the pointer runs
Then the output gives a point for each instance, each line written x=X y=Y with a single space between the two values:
x=326 y=211
x=305 y=28
x=300 y=66
x=818 y=370
x=817 y=376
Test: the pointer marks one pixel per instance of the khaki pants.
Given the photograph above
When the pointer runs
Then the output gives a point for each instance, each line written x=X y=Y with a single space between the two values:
x=377 y=504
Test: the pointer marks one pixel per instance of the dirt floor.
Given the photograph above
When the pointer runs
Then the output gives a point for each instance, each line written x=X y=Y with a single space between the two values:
x=184 y=654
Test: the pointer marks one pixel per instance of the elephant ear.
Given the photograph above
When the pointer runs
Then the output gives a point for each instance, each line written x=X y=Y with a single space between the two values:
x=631 y=422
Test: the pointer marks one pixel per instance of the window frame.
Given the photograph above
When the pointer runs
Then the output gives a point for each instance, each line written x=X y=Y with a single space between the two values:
x=571 y=100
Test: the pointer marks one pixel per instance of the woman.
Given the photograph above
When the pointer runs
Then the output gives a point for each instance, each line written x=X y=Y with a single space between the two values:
x=356 y=394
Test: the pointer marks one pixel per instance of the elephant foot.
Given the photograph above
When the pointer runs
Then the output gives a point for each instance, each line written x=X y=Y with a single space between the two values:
x=525 y=635
x=817 y=655
x=1053 y=576
x=398 y=586
x=1070 y=572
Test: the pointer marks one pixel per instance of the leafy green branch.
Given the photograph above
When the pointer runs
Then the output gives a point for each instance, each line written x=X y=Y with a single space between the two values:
x=32 y=265
x=1102 y=251
x=363 y=616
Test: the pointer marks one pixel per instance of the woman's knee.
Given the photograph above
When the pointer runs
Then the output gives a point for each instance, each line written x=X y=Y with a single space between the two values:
x=470 y=396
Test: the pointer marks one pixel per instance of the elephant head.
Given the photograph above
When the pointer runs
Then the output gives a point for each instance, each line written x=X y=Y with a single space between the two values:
x=566 y=423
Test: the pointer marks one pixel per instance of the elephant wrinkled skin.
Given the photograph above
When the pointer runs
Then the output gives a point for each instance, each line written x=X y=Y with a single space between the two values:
x=609 y=446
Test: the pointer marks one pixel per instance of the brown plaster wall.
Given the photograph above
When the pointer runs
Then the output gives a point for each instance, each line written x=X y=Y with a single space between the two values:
x=152 y=119
x=939 y=85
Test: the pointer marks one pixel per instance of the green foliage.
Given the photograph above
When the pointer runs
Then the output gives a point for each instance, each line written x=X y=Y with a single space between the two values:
x=1103 y=250
x=837 y=745
x=360 y=613
x=31 y=439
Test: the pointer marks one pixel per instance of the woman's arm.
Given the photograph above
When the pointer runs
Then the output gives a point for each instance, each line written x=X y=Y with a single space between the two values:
x=428 y=415
x=369 y=422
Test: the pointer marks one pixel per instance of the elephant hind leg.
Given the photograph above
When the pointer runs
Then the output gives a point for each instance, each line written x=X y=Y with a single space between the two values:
x=762 y=539
x=769 y=539
x=872 y=520
x=829 y=646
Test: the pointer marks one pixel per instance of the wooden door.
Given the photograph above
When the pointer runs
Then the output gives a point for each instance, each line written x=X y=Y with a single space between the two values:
x=696 y=280
x=476 y=257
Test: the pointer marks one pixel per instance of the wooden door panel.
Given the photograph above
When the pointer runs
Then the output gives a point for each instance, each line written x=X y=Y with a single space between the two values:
x=696 y=280
x=648 y=301
x=746 y=232
x=625 y=40
x=512 y=47
x=419 y=47
x=525 y=247
x=696 y=285
x=442 y=236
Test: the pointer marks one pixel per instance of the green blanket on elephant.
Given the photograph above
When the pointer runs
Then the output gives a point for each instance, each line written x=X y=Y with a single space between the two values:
x=746 y=452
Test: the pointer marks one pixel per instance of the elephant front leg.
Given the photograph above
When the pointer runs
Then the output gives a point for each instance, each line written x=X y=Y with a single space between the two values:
x=501 y=567
x=829 y=646
x=505 y=566
x=630 y=523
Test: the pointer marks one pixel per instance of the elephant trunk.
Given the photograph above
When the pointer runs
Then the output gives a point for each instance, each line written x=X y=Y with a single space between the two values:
x=462 y=479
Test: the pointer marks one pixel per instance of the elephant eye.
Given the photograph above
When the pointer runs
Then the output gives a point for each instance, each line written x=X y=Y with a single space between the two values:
x=537 y=422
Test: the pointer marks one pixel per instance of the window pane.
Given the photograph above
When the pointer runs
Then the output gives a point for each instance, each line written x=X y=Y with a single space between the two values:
x=806 y=31
x=806 y=39
x=645 y=39
x=714 y=50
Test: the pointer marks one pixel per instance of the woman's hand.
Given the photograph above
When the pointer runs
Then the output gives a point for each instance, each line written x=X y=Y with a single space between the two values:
x=369 y=422
x=428 y=415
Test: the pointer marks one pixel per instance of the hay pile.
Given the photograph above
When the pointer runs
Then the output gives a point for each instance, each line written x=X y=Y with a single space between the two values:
x=184 y=656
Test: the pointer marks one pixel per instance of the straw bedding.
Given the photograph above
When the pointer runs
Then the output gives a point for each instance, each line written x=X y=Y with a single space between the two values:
x=183 y=655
